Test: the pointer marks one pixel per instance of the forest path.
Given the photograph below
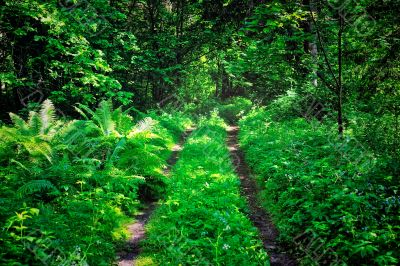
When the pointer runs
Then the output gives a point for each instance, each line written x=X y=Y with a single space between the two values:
x=258 y=216
x=127 y=257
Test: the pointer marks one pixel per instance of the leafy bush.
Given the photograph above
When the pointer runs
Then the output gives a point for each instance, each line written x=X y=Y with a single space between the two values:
x=285 y=106
x=203 y=219
x=380 y=132
x=328 y=197
x=202 y=108
x=69 y=186
x=175 y=122
x=294 y=105
x=233 y=109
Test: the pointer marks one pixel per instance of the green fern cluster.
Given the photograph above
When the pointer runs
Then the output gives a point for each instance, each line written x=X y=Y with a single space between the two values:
x=84 y=176
x=32 y=137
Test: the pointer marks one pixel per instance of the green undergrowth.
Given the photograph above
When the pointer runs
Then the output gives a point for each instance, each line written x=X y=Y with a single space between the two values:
x=231 y=109
x=331 y=199
x=68 y=187
x=203 y=219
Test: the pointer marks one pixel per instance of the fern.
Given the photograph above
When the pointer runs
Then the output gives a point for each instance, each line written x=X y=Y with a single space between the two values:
x=21 y=165
x=34 y=145
x=102 y=117
x=123 y=121
x=37 y=148
x=120 y=146
x=85 y=109
x=87 y=161
x=144 y=125
x=47 y=116
x=18 y=122
x=35 y=186
x=34 y=124
x=44 y=124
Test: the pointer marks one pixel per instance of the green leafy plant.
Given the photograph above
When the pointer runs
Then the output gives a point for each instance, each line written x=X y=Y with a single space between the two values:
x=322 y=190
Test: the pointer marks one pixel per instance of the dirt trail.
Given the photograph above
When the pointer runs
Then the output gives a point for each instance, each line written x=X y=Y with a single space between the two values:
x=137 y=231
x=128 y=256
x=258 y=215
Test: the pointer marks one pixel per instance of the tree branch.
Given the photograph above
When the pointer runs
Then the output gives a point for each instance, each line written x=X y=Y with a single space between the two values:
x=323 y=49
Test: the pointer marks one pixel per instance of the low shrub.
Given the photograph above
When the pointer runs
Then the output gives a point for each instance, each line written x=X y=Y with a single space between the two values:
x=231 y=110
x=234 y=108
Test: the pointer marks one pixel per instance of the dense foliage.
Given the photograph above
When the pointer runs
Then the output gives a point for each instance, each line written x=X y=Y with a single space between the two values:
x=339 y=57
x=68 y=187
x=323 y=137
x=140 y=52
x=153 y=52
x=231 y=110
x=333 y=199
x=202 y=221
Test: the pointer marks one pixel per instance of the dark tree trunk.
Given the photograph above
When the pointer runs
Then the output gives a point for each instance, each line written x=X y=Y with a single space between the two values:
x=340 y=86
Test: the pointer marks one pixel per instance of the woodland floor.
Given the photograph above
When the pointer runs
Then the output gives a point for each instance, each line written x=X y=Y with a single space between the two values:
x=249 y=190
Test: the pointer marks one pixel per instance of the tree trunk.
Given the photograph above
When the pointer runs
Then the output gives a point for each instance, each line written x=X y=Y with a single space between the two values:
x=340 y=86
x=311 y=47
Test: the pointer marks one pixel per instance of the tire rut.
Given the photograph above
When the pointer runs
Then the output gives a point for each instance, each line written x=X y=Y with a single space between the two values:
x=137 y=230
x=258 y=216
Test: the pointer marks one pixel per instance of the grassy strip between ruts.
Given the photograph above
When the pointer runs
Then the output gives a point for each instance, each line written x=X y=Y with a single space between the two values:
x=203 y=220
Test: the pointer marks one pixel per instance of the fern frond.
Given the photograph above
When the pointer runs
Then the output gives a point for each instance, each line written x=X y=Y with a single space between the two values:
x=117 y=115
x=53 y=130
x=47 y=116
x=18 y=122
x=123 y=121
x=8 y=139
x=144 y=125
x=70 y=133
x=34 y=123
x=35 y=186
x=43 y=123
x=37 y=148
x=140 y=113
x=8 y=134
x=87 y=161
x=103 y=115
x=119 y=147
x=82 y=109
x=20 y=165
